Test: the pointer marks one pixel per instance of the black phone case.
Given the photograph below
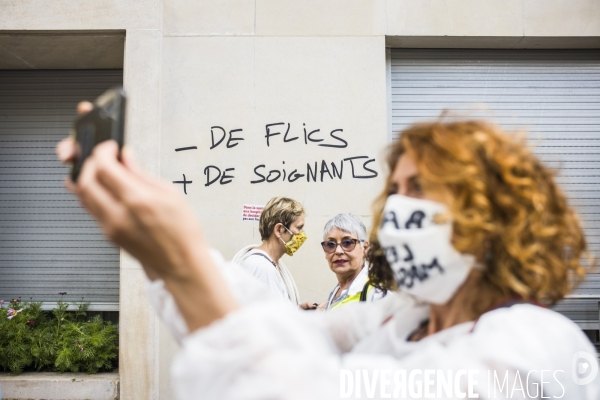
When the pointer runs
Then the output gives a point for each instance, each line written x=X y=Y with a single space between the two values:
x=104 y=122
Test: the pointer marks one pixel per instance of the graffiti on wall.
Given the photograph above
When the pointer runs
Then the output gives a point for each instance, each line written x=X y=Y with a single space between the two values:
x=355 y=167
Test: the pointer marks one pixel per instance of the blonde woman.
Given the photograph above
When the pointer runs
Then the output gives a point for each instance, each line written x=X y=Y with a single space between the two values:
x=470 y=227
x=281 y=228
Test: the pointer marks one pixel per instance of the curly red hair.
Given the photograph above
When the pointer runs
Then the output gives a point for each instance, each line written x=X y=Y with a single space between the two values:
x=506 y=207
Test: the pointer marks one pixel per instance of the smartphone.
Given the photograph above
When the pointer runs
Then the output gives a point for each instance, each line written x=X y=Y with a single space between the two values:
x=104 y=122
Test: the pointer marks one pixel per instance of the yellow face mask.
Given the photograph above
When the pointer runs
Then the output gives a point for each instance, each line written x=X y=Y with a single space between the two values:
x=294 y=243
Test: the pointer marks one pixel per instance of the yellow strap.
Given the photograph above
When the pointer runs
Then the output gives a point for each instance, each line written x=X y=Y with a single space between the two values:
x=355 y=298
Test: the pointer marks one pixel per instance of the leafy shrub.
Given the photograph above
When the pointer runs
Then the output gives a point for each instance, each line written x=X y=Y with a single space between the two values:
x=57 y=340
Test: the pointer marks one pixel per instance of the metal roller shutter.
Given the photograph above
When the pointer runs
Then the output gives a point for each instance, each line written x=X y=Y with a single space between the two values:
x=553 y=94
x=48 y=243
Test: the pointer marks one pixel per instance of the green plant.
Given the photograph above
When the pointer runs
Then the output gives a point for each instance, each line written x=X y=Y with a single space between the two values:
x=58 y=340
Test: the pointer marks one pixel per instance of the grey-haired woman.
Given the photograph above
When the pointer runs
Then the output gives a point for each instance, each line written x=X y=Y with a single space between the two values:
x=345 y=245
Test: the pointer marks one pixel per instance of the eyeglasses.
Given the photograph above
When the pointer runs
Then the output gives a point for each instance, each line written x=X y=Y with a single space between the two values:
x=329 y=246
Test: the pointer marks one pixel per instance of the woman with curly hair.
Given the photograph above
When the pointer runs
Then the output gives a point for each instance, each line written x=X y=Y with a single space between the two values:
x=470 y=228
x=512 y=232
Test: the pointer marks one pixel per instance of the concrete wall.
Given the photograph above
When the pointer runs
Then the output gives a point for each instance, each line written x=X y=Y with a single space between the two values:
x=191 y=65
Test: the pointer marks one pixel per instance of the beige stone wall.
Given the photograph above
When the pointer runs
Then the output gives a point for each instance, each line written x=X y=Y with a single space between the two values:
x=247 y=83
x=191 y=65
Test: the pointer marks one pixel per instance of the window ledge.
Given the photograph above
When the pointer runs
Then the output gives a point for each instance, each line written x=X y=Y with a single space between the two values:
x=57 y=386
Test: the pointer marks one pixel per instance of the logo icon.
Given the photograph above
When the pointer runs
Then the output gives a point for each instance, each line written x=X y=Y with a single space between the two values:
x=584 y=367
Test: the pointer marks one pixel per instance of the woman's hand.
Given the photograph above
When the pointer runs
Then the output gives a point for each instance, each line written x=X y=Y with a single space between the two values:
x=140 y=213
x=313 y=306
x=152 y=222
x=137 y=212
x=308 y=306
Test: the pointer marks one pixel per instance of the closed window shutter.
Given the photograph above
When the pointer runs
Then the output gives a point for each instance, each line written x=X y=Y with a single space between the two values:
x=553 y=94
x=48 y=243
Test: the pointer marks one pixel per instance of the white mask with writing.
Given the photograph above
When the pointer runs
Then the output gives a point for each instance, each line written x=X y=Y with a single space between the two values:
x=420 y=251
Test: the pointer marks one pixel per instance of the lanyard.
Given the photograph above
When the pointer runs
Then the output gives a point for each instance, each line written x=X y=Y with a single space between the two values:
x=341 y=297
x=261 y=254
x=278 y=270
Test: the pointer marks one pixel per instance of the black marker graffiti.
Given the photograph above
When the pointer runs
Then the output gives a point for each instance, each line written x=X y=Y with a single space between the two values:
x=335 y=171
x=310 y=136
x=224 y=178
x=184 y=182
x=186 y=148
x=292 y=177
x=269 y=133
x=373 y=173
x=338 y=146
x=315 y=172
x=229 y=145
x=212 y=136
x=285 y=138
x=233 y=139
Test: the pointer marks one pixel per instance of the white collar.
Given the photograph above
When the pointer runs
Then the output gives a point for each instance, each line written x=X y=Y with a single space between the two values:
x=359 y=281
x=357 y=285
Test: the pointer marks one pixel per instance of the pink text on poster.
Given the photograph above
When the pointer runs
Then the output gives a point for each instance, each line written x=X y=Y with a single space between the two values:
x=251 y=212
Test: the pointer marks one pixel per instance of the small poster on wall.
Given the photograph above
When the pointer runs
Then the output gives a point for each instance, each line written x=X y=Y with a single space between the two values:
x=251 y=212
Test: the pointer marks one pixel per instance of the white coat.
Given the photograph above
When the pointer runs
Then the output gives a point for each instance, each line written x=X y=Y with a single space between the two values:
x=356 y=287
x=269 y=350
x=278 y=279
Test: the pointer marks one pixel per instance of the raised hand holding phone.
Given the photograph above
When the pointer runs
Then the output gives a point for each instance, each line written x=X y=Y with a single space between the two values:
x=104 y=120
x=151 y=221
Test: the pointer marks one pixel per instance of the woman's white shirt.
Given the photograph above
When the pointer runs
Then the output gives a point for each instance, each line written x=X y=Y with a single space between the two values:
x=259 y=264
x=357 y=286
x=267 y=349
